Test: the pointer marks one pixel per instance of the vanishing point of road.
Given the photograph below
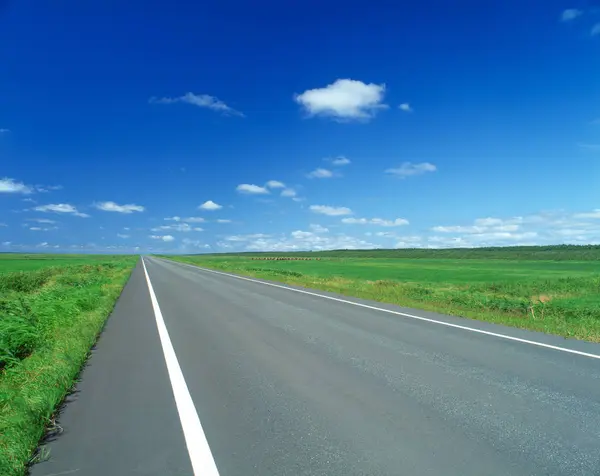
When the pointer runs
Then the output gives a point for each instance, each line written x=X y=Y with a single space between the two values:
x=202 y=373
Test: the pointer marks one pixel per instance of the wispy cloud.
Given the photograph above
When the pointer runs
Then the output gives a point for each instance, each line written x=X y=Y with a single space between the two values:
x=251 y=189
x=595 y=30
x=115 y=207
x=320 y=173
x=570 y=14
x=375 y=221
x=209 y=205
x=405 y=107
x=62 y=208
x=165 y=238
x=200 y=100
x=42 y=220
x=288 y=192
x=588 y=146
x=344 y=100
x=223 y=220
x=120 y=235
x=408 y=168
x=339 y=160
x=274 y=184
x=177 y=227
x=330 y=211
x=4 y=131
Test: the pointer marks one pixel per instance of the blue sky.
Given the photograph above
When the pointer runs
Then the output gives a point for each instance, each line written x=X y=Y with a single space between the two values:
x=227 y=125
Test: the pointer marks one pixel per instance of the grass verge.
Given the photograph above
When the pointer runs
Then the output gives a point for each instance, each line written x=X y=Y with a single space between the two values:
x=49 y=320
x=555 y=297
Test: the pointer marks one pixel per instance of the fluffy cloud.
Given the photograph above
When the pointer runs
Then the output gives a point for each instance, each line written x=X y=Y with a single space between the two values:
x=405 y=107
x=210 y=206
x=200 y=100
x=9 y=185
x=165 y=238
x=274 y=184
x=330 y=211
x=408 y=168
x=375 y=221
x=570 y=14
x=251 y=189
x=115 y=207
x=345 y=99
x=320 y=173
x=61 y=208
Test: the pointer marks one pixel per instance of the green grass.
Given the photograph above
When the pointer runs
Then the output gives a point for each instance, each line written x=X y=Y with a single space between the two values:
x=11 y=262
x=559 y=297
x=49 y=319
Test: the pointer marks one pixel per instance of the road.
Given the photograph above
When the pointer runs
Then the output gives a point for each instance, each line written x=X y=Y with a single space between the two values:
x=246 y=378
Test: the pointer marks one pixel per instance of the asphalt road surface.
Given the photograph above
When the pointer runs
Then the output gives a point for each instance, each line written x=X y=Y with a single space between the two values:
x=201 y=373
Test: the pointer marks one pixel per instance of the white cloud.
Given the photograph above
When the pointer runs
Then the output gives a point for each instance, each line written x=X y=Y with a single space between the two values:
x=375 y=221
x=405 y=107
x=185 y=227
x=42 y=220
x=320 y=173
x=186 y=219
x=288 y=192
x=194 y=243
x=39 y=228
x=330 y=211
x=316 y=228
x=120 y=235
x=595 y=30
x=593 y=214
x=251 y=189
x=115 y=207
x=210 y=205
x=339 y=161
x=570 y=14
x=61 y=208
x=4 y=131
x=166 y=238
x=253 y=236
x=223 y=220
x=345 y=99
x=408 y=168
x=200 y=100
x=9 y=185
x=275 y=184
x=305 y=240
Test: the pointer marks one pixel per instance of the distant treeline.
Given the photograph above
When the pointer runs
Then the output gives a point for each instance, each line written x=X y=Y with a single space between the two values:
x=553 y=252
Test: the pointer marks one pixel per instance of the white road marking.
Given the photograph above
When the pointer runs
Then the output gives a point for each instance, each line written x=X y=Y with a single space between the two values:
x=201 y=457
x=404 y=314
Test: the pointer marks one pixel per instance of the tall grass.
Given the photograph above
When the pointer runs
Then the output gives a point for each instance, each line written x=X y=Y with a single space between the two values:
x=49 y=319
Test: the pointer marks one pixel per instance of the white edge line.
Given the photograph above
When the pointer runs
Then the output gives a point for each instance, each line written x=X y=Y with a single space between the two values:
x=201 y=457
x=398 y=313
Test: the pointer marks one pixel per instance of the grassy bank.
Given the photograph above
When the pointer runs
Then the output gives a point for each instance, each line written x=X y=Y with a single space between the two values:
x=559 y=297
x=49 y=320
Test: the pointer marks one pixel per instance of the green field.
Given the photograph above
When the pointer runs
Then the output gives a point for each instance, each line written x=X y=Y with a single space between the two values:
x=559 y=296
x=52 y=309
x=12 y=262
